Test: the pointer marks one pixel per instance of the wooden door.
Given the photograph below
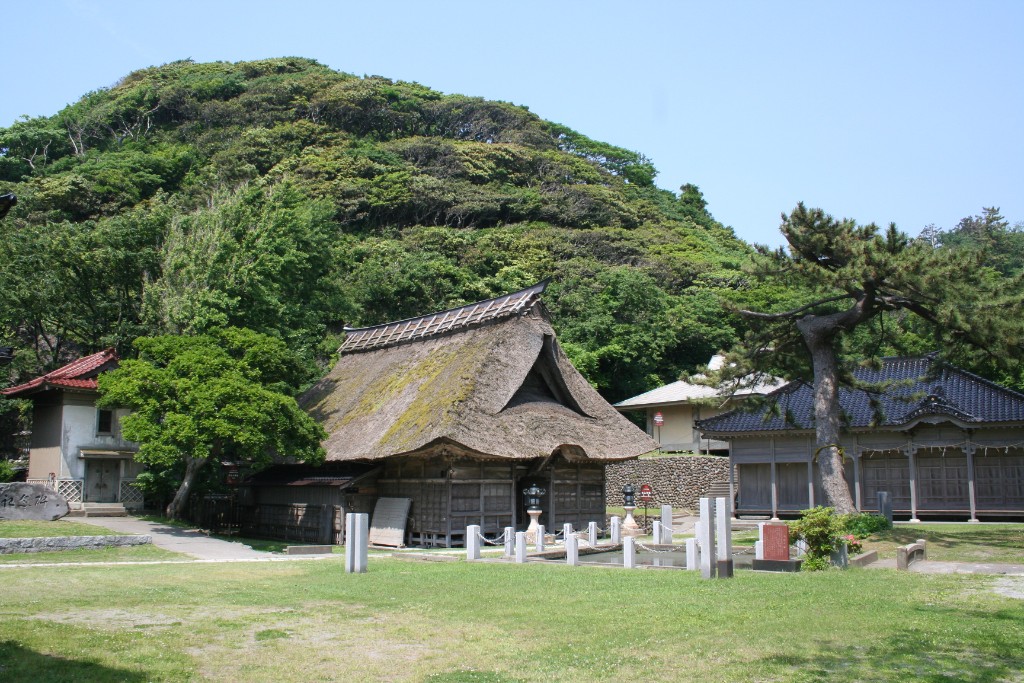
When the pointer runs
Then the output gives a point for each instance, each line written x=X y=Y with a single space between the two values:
x=102 y=478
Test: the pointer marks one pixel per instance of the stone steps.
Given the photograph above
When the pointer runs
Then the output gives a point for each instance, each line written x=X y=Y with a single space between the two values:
x=99 y=510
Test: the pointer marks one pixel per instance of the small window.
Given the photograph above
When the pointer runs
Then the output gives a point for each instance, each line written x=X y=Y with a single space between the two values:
x=105 y=422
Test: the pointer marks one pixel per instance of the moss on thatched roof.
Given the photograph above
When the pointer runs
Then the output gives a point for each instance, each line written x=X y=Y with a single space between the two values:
x=501 y=388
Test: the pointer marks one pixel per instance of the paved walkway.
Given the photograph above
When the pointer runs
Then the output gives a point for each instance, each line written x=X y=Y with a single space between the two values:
x=187 y=541
x=936 y=567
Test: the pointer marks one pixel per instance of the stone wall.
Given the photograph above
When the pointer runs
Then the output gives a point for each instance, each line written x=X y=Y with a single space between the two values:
x=679 y=482
x=58 y=543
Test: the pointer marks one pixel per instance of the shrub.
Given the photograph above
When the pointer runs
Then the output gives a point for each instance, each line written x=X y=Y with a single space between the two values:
x=864 y=524
x=822 y=530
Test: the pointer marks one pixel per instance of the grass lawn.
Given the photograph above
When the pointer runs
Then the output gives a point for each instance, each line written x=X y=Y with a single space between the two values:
x=34 y=529
x=955 y=542
x=444 y=622
x=137 y=553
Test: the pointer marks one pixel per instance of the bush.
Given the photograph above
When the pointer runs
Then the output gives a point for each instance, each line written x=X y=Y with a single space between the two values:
x=822 y=530
x=864 y=524
x=6 y=471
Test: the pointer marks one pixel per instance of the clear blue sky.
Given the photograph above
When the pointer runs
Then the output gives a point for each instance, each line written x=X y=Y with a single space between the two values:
x=879 y=111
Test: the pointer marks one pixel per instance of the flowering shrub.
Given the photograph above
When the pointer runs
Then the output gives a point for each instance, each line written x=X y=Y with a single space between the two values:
x=853 y=546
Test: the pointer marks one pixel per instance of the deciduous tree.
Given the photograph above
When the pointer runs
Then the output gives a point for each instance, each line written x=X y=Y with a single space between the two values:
x=211 y=398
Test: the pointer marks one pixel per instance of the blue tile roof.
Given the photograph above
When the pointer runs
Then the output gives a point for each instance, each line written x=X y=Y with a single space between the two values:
x=918 y=387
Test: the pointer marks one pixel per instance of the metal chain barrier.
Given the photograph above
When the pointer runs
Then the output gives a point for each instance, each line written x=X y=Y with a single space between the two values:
x=673 y=549
x=500 y=540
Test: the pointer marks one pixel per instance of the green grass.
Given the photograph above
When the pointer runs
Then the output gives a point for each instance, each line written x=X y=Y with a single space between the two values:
x=408 y=621
x=956 y=542
x=30 y=529
x=138 y=553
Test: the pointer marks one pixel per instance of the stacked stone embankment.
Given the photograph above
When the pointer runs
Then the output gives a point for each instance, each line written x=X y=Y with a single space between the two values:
x=59 y=543
x=677 y=481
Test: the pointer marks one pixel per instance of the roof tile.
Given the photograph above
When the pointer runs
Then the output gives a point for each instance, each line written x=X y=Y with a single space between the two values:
x=926 y=386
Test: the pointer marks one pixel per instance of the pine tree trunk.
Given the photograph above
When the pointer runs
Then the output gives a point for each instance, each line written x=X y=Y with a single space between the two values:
x=819 y=340
x=176 y=508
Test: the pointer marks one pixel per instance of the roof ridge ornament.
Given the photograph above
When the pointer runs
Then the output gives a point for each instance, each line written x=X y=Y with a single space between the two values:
x=442 y=322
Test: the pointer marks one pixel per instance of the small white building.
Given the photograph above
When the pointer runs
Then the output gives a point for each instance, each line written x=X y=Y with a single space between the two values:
x=76 y=447
x=680 y=404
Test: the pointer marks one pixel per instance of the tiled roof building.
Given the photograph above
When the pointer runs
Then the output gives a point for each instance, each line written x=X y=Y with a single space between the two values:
x=942 y=441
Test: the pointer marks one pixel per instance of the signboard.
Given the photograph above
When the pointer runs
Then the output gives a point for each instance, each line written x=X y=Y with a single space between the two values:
x=388 y=525
x=31 y=501
x=646 y=493
x=659 y=419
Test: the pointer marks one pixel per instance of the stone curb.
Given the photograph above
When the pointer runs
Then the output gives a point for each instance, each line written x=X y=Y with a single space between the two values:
x=9 y=546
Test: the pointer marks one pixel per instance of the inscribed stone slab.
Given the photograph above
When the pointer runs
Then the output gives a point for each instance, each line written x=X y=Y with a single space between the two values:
x=31 y=501
x=389 y=518
x=776 y=542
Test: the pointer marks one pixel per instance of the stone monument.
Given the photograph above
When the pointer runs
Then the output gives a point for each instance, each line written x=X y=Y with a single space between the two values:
x=20 y=501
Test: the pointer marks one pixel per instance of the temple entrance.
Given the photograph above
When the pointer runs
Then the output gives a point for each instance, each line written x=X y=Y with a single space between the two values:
x=102 y=477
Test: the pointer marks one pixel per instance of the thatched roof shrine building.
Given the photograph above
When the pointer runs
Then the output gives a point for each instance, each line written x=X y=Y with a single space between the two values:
x=464 y=408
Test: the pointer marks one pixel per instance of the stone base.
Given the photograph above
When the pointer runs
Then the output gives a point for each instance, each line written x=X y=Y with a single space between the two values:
x=308 y=549
x=725 y=569
x=777 y=565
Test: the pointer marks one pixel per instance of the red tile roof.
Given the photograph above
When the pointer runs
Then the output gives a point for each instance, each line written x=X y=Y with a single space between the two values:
x=79 y=374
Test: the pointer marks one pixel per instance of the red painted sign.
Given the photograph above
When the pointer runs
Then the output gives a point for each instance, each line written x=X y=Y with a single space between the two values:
x=646 y=494
x=659 y=419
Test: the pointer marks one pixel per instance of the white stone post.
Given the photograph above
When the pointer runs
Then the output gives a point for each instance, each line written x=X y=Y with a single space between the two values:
x=723 y=518
x=567 y=531
x=707 y=539
x=616 y=524
x=539 y=544
x=629 y=553
x=357 y=533
x=473 y=542
x=759 y=546
x=692 y=555
x=656 y=532
x=572 y=550
x=666 y=526
x=592 y=534
x=520 y=547
x=510 y=541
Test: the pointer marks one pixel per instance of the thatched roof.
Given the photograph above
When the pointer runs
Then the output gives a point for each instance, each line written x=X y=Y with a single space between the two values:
x=490 y=381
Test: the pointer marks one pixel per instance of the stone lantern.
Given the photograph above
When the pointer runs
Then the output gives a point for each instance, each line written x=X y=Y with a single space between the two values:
x=533 y=495
x=629 y=525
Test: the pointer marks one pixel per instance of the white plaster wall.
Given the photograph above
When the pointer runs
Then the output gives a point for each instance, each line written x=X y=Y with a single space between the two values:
x=78 y=431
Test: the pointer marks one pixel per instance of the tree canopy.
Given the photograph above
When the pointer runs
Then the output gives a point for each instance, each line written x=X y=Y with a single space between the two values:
x=842 y=276
x=211 y=398
x=292 y=199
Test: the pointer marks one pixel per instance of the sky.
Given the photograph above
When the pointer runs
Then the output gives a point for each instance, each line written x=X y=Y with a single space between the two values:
x=896 y=111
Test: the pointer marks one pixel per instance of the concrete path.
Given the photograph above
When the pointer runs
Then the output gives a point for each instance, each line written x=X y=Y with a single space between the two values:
x=936 y=567
x=187 y=541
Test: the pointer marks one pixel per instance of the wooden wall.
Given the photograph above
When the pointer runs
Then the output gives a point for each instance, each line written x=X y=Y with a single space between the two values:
x=447 y=496
x=940 y=463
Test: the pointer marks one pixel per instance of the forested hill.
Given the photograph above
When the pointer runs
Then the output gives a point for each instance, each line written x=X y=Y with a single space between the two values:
x=289 y=198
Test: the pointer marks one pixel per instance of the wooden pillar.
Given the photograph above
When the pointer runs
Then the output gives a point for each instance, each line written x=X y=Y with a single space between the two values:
x=856 y=480
x=775 y=486
x=448 y=514
x=971 y=491
x=732 y=482
x=912 y=471
x=810 y=483
x=551 y=494
x=512 y=504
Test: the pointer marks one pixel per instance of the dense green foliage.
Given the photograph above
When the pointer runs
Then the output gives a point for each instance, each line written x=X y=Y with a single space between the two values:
x=291 y=199
x=212 y=398
x=822 y=530
x=863 y=524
